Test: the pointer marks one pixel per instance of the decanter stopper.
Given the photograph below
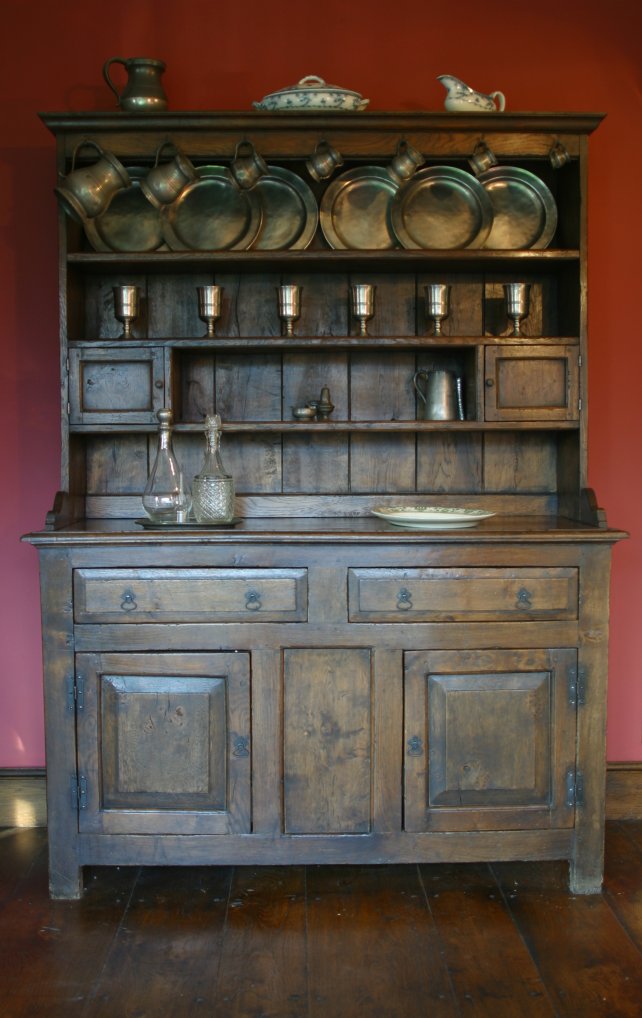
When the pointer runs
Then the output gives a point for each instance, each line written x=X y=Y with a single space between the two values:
x=213 y=488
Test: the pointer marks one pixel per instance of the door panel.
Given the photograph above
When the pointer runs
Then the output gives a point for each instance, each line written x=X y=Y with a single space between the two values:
x=327 y=741
x=489 y=738
x=164 y=743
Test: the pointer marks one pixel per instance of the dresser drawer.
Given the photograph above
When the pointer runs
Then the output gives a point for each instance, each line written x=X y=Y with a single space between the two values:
x=454 y=595
x=190 y=595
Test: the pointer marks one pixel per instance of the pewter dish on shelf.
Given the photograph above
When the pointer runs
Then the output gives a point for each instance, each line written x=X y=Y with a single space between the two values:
x=290 y=211
x=212 y=214
x=442 y=207
x=130 y=223
x=524 y=210
x=431 y=517
x=312 y=93
x=355 y=210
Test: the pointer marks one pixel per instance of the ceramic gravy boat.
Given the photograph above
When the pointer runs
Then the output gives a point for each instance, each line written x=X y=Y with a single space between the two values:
x=461 y=98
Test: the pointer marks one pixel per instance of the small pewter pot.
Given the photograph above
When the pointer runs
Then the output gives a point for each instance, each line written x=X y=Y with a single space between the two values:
x=87 y=191
x=165 y=181
x=405 y=162
x=143 y=92
x=323 y=161
x=247 y=166
x=442 y=398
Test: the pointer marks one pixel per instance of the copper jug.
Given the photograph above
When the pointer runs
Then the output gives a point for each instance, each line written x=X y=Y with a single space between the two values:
x=143 y=92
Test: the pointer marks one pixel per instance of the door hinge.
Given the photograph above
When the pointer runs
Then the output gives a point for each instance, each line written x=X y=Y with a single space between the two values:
x=75 y=692
x=78 y=789
x=574 y=788
x=576 y=687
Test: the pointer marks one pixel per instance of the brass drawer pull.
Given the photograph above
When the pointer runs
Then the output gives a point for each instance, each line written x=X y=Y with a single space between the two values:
x=404 y=599
x=253 y=601
x=129 y=603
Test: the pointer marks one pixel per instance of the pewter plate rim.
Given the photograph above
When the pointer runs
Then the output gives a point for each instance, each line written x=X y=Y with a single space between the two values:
x=170 y=213
x=94 y=228
x=479 y=201
x=533 y=184
x=331 y=194
x=308 y=222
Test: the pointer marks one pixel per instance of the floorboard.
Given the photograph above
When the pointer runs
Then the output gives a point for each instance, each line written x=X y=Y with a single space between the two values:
x=507 y=941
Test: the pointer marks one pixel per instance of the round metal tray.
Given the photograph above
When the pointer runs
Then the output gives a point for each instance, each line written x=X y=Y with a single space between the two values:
x=442 y=207
x=524 y=210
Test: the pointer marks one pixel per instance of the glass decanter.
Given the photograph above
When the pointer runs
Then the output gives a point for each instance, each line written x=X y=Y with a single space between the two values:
x=213 y=488
x=166 y=499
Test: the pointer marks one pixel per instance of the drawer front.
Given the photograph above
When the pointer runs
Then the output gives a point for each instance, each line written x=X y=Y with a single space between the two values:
x=190 y=595
x=454 y=595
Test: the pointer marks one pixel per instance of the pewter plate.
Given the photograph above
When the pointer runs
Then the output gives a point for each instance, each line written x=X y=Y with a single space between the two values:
x=355 y=210
x=129 y=223
x=212 y=214
x=290 y=212
x=442 y=207
x=524 y=210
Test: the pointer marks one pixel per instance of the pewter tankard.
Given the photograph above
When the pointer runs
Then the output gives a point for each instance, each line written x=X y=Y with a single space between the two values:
x=142 y=92
x=442 y=398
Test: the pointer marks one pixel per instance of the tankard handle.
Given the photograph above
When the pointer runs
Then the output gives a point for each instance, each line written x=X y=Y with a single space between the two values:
x=422 y=373
x=106 y=66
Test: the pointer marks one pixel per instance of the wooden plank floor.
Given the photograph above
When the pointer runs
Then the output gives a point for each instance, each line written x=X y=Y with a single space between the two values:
x=503 y=941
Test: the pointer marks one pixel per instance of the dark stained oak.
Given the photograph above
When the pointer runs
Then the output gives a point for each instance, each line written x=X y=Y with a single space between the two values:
x=312 y=685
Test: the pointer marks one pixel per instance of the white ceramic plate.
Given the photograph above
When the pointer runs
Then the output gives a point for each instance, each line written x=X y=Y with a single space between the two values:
x=431 y=516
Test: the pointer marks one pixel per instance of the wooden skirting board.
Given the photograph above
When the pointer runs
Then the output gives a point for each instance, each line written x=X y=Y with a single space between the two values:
x=22 y=795
x=624 y=790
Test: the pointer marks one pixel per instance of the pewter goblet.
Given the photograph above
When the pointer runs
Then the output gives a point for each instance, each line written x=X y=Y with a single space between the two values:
x=437 y=304
x=126 y=308
x=209 y=306
x=517 y=303
x=289 y=305
x=362 y=298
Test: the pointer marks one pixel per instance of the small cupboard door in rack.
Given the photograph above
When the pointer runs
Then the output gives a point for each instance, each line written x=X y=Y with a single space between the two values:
x=532 y=383
x=164 y=743
x=112 y=386
x=489 y=739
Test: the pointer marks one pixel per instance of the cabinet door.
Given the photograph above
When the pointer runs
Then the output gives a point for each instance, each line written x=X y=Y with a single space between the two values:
x=113 y=386
x=533 y=383
x=327 y=726
x=164 y=743
x=489 y=739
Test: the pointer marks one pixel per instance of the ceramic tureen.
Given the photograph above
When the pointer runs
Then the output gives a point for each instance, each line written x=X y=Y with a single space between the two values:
x=312 y=93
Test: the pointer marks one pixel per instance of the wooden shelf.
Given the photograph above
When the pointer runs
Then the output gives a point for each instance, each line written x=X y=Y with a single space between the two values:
x=323 y=427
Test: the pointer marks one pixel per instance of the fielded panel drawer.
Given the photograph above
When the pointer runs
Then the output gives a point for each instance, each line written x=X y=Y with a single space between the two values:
x=464 y=594
x=190 y=595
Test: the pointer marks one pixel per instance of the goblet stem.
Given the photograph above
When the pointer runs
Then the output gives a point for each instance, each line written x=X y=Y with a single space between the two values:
x=436 y=330
x=363 y=326
x=517 y=330
x=127 y=328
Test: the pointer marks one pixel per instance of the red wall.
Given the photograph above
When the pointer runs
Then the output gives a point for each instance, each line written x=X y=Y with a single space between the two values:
x=562 y=55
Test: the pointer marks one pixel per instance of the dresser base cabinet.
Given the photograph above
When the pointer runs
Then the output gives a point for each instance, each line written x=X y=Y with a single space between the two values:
x=351 y=714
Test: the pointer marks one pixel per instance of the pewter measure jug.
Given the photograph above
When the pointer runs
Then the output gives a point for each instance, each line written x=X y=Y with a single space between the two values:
x=442 y=398
x=143 y=92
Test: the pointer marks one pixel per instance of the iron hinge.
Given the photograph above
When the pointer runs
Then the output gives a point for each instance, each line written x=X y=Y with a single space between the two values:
x=574 y=788
x=78 y=789
x=75 y=692
x=579 y=404
x=576 y=687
